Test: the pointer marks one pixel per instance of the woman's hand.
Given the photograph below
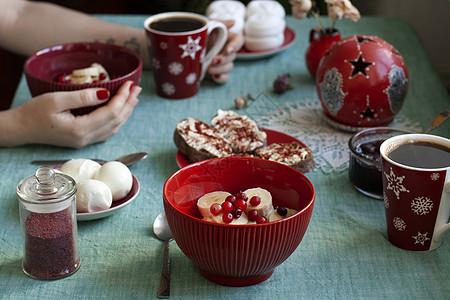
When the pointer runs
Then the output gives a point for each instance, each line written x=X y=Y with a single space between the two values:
x=222 y=64
x=46 y=119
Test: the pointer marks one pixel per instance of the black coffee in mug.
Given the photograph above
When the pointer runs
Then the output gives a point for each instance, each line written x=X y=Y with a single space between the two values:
x=421 y=154
x=181 y=24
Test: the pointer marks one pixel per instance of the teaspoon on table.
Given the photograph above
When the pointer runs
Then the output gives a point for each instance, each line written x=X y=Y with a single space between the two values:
x=162 y=231
x=127 y=160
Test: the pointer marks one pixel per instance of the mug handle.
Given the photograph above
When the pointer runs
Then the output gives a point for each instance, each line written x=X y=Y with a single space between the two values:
x=218 y=45
x=442 y=224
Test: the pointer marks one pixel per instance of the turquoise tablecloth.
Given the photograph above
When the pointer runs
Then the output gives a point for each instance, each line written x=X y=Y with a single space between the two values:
x=345 y=252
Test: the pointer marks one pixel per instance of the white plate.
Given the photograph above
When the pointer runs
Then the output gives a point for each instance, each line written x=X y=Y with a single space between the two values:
x=289 y=38
x=116 y=205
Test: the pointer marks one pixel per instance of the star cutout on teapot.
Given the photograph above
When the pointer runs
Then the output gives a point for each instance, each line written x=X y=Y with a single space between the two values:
x=360 y=66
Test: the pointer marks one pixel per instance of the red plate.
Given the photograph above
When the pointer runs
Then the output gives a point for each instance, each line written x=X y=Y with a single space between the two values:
x=289 y=38
x=272 y=137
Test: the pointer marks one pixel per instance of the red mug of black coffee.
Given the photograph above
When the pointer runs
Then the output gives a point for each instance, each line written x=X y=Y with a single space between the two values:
x=416 y=187
x=177 y=45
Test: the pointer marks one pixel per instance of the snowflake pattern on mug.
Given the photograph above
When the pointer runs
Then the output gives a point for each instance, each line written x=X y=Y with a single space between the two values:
x=386 y=201
x=191 y=78
x=434 y=176
x=168 y=88
x=191 y=47
x=156 y=64
x=399 y=224
x=175 y=68
x=421 y=238
x=163 y=45
x=395 y=183
x=421 y=205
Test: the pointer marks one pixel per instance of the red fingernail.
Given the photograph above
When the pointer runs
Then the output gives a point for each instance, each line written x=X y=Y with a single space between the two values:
x=102 y=94
x=131 y=86
x=217 y=60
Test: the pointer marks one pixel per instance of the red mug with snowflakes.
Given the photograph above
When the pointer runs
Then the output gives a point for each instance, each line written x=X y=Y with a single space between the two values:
x=177 y=43
x=416 y=187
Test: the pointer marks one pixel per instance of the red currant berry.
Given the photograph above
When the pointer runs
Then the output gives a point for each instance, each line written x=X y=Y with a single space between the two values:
x=261 y=220
x=242 y=196
x=255 y=200
x=62 y=79
x=237 y=213
x=102 y=76
x=252 y=215
x=215 y=209
x=230 y=199
x=282 y=211
x=227 y=207
x=240 y=204
x=227 y=218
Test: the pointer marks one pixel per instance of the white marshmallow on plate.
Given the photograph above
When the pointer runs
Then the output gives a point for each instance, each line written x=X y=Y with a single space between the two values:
x=80 y=169
x=266 y=7
x=93 y=195
x=264 y=26
x=229 y=7
x=117 y=177
x=239 y=21
x=263 y=43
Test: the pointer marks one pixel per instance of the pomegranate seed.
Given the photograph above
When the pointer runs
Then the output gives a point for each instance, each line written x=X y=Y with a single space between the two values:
x=237 y=213
x=215 y=209
x=255 y=200
x=227 y=207
x=261 y=220
x=227 y=218
x=102 y=76
x=282 y=211
x=230 y=199
x=242 y=196
x=240 y=204
x=252 y=215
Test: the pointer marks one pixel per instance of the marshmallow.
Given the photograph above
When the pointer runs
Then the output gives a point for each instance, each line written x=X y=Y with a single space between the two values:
x=239 y=22
x=264 y=26
x=93 y=195
x=266 y=7
x=228 y=7
x=263 y=43
x=117 y=177
x=80 y=169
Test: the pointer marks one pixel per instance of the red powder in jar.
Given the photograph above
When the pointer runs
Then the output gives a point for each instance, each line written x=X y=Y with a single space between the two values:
x=50 y=245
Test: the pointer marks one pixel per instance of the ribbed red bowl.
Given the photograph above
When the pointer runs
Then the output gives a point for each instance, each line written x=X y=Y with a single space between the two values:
x=44 y=67
x=237 y=255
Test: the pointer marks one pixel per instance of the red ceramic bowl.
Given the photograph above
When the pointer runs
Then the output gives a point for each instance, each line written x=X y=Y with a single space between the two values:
x=43 y=68
x=237 y=255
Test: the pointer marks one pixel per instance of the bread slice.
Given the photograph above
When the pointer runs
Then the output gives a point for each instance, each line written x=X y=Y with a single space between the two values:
x=240 y=132
x=199 y=141
x=291 y=154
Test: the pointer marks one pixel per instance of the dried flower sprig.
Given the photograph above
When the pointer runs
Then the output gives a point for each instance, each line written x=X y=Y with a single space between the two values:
x=337 y=10
x=282 y=83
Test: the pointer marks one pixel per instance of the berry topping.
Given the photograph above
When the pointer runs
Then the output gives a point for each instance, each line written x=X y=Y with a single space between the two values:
x=252 y=215
x=255 y=200
x=102 y=76
x=282 y=211
x=240 y=204
x=227 y=218
x=242 y=196
x=230 y=199
x=237 y=213
x=62 y=79
x=261 y=220
x=216 y=209
x=227 y=207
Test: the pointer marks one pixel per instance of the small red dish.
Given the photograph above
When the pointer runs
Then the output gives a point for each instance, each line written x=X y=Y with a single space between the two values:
x=44 y=67
x=273 y=136
x=237 y=255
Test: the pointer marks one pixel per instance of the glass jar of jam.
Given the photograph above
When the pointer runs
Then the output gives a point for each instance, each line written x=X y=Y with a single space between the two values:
x=48 y=217
x=365 y=161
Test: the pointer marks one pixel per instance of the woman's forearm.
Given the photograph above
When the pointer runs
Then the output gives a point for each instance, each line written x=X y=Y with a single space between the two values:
x=26 y=27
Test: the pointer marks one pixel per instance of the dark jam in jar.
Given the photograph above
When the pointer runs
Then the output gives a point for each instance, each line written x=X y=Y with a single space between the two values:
x=365 y=173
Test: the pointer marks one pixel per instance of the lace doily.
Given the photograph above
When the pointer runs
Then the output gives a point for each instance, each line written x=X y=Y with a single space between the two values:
x=304 y=120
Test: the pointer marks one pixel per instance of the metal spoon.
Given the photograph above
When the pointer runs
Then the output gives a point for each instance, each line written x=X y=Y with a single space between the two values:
x=162 y=231
x=128 y=159
x=440 y=118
